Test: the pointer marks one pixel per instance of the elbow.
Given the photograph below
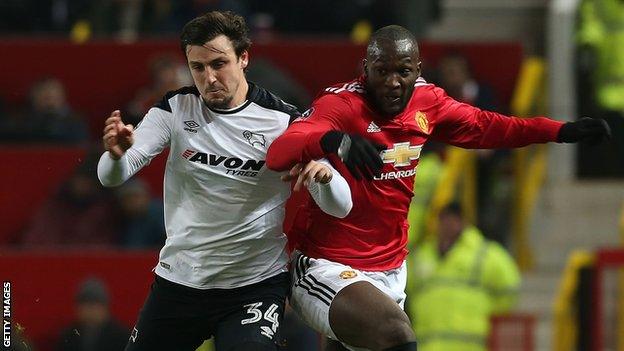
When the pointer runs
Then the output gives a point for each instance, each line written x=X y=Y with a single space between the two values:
x=107 y=183
x=341 y=211
x=273 y=162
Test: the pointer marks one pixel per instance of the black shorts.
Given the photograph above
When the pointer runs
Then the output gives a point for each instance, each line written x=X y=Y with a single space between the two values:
x=176 y=317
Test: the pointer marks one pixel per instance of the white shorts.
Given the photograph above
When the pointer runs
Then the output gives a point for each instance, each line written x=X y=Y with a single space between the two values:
x=315 y=283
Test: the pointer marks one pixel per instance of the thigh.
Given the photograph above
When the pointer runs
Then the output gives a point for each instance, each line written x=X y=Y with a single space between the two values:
x=254 y=324
x=169 y=320
x=349 y=305
x=315 y=284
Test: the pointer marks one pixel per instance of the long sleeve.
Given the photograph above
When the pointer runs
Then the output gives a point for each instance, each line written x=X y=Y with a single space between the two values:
x=466 y=126
x=301 y=141
x=151 y=136
x=333 y=198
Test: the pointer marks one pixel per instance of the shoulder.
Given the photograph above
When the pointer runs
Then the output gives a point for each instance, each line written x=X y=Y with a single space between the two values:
x=496 y=251
x=347 y=91
x=165 y=102
x=427 y=93
x=264 y=98
x=342 y=95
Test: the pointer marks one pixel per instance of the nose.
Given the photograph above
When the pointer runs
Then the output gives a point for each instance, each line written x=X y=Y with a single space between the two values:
x=392 y=81
x=211 y=76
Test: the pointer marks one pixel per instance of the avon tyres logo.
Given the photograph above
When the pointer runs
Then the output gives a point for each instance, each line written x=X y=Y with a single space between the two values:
x=233 y=165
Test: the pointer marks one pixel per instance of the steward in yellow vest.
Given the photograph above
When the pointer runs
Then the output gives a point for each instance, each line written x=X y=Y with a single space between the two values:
x=457 y=282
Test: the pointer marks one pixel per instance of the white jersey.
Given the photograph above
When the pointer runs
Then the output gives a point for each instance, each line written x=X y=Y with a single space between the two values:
x=224 y=208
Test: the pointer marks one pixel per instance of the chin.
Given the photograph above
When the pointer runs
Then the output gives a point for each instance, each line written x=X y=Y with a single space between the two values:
x=391 y=111
x=220 y=104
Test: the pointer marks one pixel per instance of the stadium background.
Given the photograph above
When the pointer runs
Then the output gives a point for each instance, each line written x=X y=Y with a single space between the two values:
x=562 y=208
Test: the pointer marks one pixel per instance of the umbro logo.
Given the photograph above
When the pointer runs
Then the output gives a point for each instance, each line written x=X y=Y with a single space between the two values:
x=191 y=126
x=373 y=128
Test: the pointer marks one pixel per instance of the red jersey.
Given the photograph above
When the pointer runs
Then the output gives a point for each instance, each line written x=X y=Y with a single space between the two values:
x=373 y=236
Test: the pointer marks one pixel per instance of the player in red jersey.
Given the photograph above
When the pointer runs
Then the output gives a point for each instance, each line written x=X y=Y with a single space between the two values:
x=349 y=274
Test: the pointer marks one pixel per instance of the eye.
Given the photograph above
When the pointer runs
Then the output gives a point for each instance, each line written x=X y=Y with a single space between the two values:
x=405 y=72
x=381 y=71
x=197 y=67
x=217 y=64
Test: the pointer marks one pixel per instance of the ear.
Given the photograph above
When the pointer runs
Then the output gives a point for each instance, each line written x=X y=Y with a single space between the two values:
x=365 y=67
x=244 y=59
x=419 y=68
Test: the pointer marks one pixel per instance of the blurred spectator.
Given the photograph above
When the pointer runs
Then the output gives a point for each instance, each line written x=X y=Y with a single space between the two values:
x=48 y=118
x=456 y=78
x=600 y=83
x=167 y=73
x=93 y=329
x=80 y=214
x=142 y=223
x=457 y=282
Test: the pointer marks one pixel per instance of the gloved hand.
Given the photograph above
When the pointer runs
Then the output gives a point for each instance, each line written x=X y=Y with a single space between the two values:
x=591 y=130
x=360 y=155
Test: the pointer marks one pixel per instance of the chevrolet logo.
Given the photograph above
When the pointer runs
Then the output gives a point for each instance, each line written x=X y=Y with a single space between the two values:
x=402 y=154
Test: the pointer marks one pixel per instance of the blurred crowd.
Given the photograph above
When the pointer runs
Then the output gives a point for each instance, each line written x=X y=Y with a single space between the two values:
x=48 y=117
x=127 y=19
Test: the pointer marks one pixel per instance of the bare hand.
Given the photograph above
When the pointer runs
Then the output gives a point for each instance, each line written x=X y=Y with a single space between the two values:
x=117 y=137
x=313 y=170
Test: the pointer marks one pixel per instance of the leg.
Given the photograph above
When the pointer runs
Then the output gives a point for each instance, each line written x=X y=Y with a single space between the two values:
x=363 y=316
x=255 y=324
x=349 y=305
x=169 y=320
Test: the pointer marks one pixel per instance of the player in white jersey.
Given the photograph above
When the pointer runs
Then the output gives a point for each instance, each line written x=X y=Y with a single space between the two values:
x=223 y=269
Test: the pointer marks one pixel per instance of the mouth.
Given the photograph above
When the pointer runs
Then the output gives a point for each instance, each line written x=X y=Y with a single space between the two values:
x=391 y=99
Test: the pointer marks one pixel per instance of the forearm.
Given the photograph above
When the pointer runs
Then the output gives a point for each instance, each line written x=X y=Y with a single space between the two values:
x=293 y=147
x=334 y=198
x=487 y=130
x=511 y=132
x=115 y=172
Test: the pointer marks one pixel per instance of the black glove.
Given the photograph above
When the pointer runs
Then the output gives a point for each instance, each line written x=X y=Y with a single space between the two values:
x=360 y=155
x=586 y=129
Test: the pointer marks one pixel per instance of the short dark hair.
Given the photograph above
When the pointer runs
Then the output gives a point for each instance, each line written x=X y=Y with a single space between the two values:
x=212 y=24
x=394 y=33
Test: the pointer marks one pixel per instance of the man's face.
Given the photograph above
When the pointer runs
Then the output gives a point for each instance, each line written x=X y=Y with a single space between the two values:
x=391 y=69
x=217 y=72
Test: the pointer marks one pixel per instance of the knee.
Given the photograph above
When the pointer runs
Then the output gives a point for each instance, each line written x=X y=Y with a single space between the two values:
x=394 y=332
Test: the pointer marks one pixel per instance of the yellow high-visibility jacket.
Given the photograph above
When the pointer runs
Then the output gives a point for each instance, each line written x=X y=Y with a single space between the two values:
x=451 y=298
x=601 y=27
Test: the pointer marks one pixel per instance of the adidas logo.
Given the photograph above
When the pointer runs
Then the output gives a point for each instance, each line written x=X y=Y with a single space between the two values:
x=373 y=128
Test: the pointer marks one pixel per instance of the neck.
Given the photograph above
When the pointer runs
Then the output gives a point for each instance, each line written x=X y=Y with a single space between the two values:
x=241 y=94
